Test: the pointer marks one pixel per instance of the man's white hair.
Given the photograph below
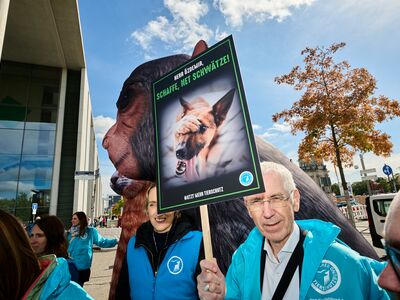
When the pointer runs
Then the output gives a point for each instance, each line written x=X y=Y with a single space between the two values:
x=283 y=172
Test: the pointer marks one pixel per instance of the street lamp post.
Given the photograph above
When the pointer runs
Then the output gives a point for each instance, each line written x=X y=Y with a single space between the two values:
x=365 y=174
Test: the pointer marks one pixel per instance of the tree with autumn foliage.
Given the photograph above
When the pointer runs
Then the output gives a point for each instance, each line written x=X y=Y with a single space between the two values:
x=338 y=110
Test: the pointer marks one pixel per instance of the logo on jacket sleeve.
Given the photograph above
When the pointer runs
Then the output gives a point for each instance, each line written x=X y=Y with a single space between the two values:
x=327 y=279
x=175 y=265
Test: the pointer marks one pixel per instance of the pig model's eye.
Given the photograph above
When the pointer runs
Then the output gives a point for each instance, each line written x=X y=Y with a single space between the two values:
x=126 y=96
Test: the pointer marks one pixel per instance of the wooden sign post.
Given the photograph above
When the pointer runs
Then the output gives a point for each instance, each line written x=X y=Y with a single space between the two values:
x=205 y=225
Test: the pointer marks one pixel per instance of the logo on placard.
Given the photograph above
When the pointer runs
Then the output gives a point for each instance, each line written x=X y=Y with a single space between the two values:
x=327 y=279
x=175 y=265
x=246 y=178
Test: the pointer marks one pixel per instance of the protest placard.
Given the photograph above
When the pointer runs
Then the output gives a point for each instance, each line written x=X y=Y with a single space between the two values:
x=204 y=140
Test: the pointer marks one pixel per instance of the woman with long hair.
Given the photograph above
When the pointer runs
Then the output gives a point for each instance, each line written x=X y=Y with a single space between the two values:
x=23 y=275
x=162 y=259
x=81 y=238
x=48 y=237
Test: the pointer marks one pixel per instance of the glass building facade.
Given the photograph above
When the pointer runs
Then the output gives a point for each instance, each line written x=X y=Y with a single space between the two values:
x=46 y=122
x=29 y=100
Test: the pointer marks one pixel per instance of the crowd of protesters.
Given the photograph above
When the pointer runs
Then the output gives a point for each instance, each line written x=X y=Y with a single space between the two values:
x=280 y=259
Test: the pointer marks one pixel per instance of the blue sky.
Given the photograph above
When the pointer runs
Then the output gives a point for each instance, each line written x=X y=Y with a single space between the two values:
x=269 y=36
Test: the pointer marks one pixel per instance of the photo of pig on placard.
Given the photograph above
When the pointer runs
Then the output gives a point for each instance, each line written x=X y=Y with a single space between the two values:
x=206 y=138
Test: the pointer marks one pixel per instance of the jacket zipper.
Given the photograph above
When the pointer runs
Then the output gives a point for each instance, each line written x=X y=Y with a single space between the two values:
x=159 y=256
x=158 y=261
x=151 y=253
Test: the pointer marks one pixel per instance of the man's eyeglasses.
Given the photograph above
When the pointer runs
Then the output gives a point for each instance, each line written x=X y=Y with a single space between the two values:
x=394 y=258
x=277 y=201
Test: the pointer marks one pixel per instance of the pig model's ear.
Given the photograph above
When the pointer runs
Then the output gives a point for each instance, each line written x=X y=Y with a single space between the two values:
x=200 y=47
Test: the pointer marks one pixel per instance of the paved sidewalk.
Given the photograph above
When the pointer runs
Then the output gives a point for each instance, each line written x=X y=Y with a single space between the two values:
x=102 y=267
x=363 y=228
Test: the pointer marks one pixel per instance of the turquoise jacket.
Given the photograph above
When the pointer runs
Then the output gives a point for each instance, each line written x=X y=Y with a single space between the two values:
x=54 y=282
x=330 y=268
x=80 y=248
x=175 y=276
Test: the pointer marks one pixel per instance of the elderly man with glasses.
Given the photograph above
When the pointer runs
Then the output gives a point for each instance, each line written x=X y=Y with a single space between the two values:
x=390 y=277
x=287 y=259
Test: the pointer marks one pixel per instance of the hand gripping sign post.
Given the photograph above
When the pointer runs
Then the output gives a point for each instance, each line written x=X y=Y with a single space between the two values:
x=205 y=146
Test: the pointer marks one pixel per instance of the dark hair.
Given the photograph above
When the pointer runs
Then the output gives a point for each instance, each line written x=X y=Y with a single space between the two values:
x=18 y=263
x=83 y=223
x=53 y=229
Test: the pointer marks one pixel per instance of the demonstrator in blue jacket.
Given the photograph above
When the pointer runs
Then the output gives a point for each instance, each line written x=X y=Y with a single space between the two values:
x=81 y=238
x=284 y=259
x=23 y=276
x=162 y=259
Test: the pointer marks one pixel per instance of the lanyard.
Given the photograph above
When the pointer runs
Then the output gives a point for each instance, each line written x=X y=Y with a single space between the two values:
x=296 y=260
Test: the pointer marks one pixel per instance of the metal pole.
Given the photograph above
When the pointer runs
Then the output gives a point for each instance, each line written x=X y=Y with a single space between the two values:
x=394 y=183
x=338 y=181
x=365 y=174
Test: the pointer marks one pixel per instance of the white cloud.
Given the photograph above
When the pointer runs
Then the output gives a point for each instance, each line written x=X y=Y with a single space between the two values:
x=364 y=13
x=102 y=125
x=281 y=127
x=182 y=31
x=293 y=155
x=107 y=170
x=184 y=28
x=267 y=135
x=238 y=11
x=220 y=35
x=277 y=129
x=256 y=126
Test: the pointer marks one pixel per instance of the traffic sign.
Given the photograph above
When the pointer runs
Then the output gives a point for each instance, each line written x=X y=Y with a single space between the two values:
x=367 y=171
x=372 y=177
x=387 y=170
x=84 y=175
x=34 y=208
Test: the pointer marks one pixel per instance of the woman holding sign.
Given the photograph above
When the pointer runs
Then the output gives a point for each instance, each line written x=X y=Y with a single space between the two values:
x=162 y=259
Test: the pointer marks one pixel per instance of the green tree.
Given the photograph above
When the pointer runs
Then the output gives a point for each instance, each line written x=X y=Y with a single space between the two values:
x=384 y=184
x=335 y=189
x=397 y=181
x=360 y=188
x=337 y=111
x=117 y=208
x=23 y=208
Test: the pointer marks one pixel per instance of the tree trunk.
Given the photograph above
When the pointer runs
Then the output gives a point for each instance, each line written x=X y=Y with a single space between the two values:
x=342 y=178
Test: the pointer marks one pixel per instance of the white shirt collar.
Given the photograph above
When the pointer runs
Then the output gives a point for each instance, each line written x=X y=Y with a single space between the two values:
x=289 y=246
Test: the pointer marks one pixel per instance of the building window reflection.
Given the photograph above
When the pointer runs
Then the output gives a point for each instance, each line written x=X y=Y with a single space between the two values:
x=10 y=141
x=29 y=97
x=38 y=142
